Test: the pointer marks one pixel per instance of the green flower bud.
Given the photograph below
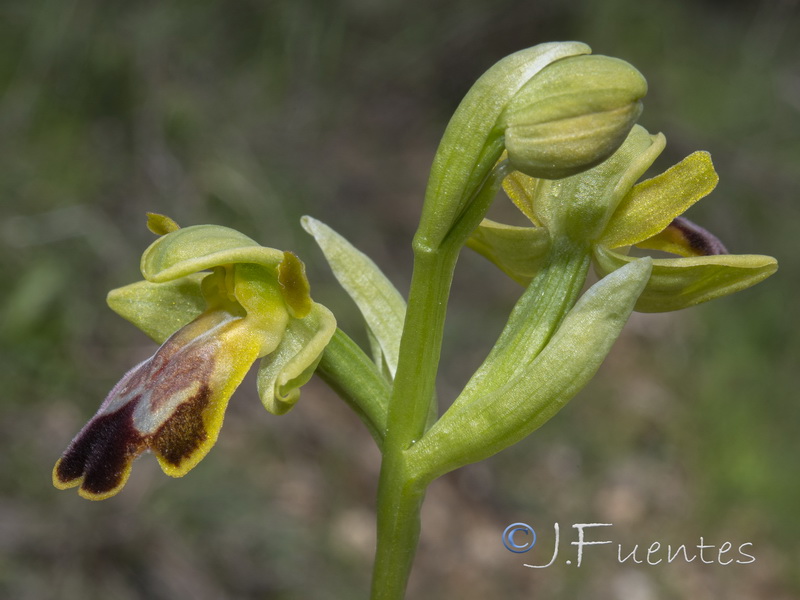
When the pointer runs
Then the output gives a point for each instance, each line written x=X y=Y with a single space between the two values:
x=572 y=115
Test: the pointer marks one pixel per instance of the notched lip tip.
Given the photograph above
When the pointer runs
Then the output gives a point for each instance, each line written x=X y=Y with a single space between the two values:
x=83 y=492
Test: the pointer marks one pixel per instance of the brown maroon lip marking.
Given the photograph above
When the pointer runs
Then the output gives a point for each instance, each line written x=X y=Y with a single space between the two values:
x=102 y=452
x=700 y=240
x=183 y=433
x=148 y=412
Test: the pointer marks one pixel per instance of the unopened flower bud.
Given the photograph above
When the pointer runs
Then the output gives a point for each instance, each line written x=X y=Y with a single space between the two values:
x=572 y=115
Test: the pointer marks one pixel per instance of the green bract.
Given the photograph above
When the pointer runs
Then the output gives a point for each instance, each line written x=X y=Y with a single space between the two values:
x=520 y=390
x=605 y=210
x=381 y=305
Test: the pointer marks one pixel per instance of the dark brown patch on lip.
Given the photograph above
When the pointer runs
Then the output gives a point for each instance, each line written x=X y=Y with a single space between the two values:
x=102 y=452
x=702 y=241
x=184 y=431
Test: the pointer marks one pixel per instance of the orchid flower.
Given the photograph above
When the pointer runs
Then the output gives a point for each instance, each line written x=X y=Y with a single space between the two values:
x=217 y=302
x=603 y=209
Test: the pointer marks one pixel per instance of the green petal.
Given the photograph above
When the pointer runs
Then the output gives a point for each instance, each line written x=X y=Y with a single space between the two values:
x=518 y=251
x=652 y=205
x=202 y=247
x=159 y=309
x=281 y=373
x=294 y=285
x=513 y=408
x=381 y=305
x=681 y=282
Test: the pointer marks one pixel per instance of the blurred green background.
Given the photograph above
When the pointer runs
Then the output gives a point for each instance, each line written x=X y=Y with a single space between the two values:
x=253 y=113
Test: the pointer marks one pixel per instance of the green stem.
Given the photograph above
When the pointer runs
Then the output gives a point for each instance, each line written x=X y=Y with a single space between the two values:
x=412 y=402
x=399 y=503
x=356 y=379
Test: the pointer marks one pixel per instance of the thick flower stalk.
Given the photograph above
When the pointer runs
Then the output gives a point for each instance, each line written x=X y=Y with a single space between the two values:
x=218 y=301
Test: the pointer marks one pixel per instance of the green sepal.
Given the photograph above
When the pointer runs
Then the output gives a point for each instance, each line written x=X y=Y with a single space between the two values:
x=472 y=431
x=291 y=365
x=159 y=309
x=678 y=283
x=518 y=251
x=381 y=305
x=652 y=205
x=473 y=140
x=202 y=247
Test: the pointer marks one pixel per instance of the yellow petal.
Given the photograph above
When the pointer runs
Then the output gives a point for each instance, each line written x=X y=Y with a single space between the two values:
x=294 y=285
x=677 y=283
x=652 y=205
x=521 y=189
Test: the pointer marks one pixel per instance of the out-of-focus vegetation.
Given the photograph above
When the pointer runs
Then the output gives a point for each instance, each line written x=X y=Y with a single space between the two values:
x=252 y=113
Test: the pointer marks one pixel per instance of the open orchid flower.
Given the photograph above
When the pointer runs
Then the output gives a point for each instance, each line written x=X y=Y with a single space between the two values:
x=605 y=209
x=217 y=302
